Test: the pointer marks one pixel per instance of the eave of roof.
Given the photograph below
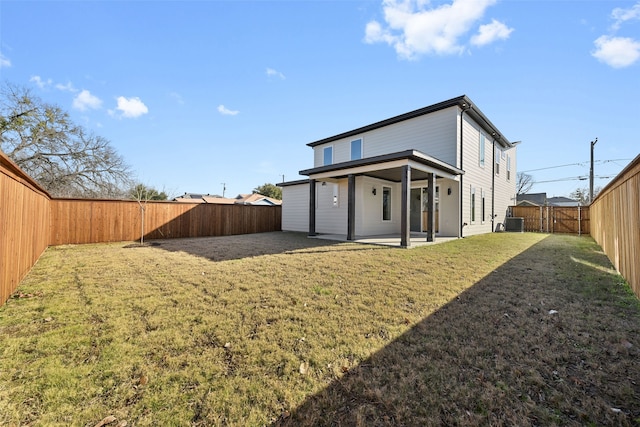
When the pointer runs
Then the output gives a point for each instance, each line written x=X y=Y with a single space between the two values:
x=414 y=155
x=463 y=102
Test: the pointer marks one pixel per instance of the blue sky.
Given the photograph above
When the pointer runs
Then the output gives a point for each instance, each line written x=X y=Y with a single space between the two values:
x=195 y=94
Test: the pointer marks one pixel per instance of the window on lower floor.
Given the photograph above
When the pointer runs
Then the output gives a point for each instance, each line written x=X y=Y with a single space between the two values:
x=386 y=203
x=473 y=204
x=483 y=208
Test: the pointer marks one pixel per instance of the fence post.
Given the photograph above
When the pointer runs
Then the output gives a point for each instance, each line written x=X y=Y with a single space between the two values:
x=540 y=218
x=579 y=222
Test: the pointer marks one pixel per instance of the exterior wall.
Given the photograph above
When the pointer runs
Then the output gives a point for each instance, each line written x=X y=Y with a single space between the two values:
x=369 y=207
x=331 y=218
x=478 y=179
x=433 y=134
x=295 y=208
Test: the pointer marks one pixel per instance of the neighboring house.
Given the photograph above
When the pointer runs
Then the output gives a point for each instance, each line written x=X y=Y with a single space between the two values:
x=541 y=199
x=562 y=201
x=444 y=170
x=240 y=199
x=532 y=199
x=256 y=199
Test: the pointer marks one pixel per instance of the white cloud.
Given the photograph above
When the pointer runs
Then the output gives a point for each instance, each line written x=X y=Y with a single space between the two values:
x=177 y=97
x=4 y=61
x=274 y=73
x=489 y=33
x=225 y=111
x=39 y=82
x=85 y=101
x=66 y=87
x=617 y=52
x=621 y=15
x=414 y=28
x=131 y=107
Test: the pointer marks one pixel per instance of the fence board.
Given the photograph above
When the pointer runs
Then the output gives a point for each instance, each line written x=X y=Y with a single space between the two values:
x=616 y=222
x=24 y=225
x=94 y=221
x=554 y=219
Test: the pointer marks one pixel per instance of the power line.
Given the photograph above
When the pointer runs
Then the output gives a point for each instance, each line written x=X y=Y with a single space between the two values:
x=573 y=178
x=574 y=164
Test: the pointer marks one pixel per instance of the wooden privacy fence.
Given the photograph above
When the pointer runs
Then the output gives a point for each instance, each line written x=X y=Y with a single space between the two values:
x=30 y=220
x=95 y=221
x=615 y=217
x=554 y=219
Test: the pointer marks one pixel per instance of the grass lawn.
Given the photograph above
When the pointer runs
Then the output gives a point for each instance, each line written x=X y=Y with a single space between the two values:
x=277 y=329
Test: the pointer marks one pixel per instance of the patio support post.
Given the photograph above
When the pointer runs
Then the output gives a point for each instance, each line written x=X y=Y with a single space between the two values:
x=312 y=207
x=351 y=207
x=431 y=203
x=405 y=224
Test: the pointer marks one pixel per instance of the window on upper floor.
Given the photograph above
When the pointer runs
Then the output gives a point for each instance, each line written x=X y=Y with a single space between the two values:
x=481 y=151
x=508 y=167
x=327 y=155
x=356 y=149
x=498 y=151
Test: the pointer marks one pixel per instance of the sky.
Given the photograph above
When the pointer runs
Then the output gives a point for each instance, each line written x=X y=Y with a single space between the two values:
x=223 y=96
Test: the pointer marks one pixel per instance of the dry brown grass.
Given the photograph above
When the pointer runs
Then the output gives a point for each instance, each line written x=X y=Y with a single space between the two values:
x=280 y=329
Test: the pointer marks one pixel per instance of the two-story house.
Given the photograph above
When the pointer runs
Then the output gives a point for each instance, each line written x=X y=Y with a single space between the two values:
x=442 y=170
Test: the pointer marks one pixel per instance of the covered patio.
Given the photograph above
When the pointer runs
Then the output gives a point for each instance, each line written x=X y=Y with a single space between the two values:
x=393 y=240
x=401 y=167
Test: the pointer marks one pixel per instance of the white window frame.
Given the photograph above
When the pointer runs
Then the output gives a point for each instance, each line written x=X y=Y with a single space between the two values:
x=497 y=160
x=508 y=167
x=483 y=206
x=361 y=148
x=481 y=151
x=324 y=155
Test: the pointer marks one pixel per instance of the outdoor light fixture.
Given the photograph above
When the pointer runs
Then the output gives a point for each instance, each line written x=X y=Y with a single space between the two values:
x=449 y=191
x=373 y=191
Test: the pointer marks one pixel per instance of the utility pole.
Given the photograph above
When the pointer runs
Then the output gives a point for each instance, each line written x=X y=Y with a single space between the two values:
x=593 y=143
x=224 y=188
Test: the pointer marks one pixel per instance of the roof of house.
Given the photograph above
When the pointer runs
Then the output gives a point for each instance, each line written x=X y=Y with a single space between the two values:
x=532 y=199
x=461 y=101
x=562 y=201
x=256 y=199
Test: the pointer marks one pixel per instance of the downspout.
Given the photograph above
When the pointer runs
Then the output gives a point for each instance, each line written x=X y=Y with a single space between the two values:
x=464 y=108
x=493 y=185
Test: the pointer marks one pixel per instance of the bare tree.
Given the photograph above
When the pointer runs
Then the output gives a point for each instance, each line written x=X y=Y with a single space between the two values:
x=67 y=161
x=524 y=183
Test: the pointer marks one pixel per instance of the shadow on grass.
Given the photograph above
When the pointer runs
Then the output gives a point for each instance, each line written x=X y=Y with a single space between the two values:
x=225 y=248
x=542 y=340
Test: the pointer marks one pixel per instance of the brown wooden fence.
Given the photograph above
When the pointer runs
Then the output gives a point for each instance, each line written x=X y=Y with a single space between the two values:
x=615 y=217
x=95 y=221
x=554 y=219
x=30 y=220
x=24 y=225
